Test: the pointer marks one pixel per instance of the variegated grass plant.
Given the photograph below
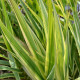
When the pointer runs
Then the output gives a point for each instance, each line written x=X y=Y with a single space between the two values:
x=41 y=37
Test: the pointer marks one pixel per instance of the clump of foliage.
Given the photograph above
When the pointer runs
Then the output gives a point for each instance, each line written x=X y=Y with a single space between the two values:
x=40 y=38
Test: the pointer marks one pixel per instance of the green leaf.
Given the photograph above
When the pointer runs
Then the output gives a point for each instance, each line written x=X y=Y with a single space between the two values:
x=34 y=24
x=44 y=16
x=27 y=33
x=4 y=62
x=1 y=39
x=9 y=68
x=49 y=62
x=8 y=24
x=6 y=75
x=3 y=56
x=61 y=49
x=51 y=74
x=34 y=14
x=22 y=55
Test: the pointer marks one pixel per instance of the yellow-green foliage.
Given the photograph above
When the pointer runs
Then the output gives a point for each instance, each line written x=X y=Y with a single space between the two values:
x=42 y=38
